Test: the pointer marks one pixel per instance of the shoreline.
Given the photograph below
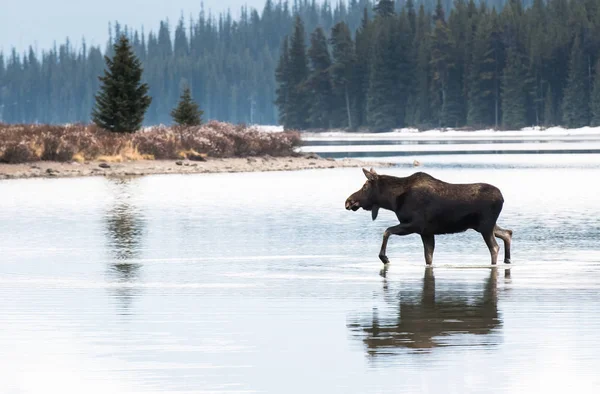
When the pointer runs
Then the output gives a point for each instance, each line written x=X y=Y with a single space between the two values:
x=52 y=169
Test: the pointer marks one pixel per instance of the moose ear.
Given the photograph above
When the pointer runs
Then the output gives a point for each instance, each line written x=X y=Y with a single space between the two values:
x=371 y=175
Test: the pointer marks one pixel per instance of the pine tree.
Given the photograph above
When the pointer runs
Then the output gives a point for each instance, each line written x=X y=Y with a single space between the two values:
x=384 y=8
x=382 y=96
x=459 y=28
x=422 y=111
x=404 y=64
x=363 y=48
x=298 y=101
x=122 y=100
x=576 y=109
x=343 y=74
x=412 y=15
x=187 y=112
x=439 y=14
x=283 y=81
x=514 y=112
x=483 y=77
x=441 y=65
x=319 y=81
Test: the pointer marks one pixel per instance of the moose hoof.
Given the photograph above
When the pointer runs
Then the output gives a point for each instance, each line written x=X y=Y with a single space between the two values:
x=384 y=259
x=507 y=261
x=383 y=271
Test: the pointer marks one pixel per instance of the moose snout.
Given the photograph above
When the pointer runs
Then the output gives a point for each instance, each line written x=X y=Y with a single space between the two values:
x=351 y=204
x=348 y=203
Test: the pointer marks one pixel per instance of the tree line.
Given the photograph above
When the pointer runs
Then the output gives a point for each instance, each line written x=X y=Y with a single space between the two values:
x=474 y=66
x=228 y=64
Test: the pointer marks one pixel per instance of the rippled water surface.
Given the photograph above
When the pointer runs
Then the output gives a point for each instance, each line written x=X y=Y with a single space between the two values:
x=262 y=282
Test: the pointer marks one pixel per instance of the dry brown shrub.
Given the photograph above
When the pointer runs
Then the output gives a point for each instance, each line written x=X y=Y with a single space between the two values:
x=25 y=143
x=18 y=152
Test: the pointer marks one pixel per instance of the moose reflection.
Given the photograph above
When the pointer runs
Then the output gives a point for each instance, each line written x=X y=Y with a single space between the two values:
x=423 y=319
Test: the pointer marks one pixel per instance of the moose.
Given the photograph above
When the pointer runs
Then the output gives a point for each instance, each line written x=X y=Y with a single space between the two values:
x=428 y=206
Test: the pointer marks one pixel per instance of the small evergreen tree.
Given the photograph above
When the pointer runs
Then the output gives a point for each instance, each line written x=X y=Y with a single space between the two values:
x=122 y=100
x=187 y=112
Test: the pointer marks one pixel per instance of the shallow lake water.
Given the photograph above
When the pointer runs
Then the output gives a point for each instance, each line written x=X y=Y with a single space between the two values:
x=263 y=282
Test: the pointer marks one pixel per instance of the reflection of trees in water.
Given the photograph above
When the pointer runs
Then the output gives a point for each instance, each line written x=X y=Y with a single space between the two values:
x=124 y=229
x=423 y=318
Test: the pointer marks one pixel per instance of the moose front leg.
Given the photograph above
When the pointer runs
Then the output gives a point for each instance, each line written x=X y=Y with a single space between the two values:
x=429 y=246
x=492 y=245
x=401 y=229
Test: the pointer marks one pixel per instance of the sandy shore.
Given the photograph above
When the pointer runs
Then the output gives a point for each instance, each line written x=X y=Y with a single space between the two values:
x=46 y=169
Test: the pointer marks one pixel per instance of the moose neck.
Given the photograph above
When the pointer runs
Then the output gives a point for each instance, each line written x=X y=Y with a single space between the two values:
x=389 y=189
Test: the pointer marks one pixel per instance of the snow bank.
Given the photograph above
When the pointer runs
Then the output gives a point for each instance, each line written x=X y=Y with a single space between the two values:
x=411 y=133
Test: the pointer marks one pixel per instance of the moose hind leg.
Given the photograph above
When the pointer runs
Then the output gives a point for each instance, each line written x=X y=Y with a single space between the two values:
x=401 y=229
x=429 y=246
x=492 y=245
x=506 y=236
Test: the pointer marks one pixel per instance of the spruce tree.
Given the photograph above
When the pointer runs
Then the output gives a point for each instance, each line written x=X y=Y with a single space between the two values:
x=422 y=112
x=404 y=64
x=363 y=50
x=298 y=102
x=382 y=96
x=514 y=112
x=441 y=62
x=319 y=81
x=343 y=74
x=187 y=112
x=459 y=28
x=282 y=77
x=384 y=8
x=482 y=78
x=122 y=100
x=576 y=108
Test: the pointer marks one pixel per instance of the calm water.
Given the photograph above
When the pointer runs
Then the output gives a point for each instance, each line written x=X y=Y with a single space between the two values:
x=241 y=283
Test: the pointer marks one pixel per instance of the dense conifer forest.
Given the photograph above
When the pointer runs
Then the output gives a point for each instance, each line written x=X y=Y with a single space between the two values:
x=308 y=64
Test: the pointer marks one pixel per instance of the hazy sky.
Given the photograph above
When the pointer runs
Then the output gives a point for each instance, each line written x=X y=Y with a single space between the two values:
x=41 y=22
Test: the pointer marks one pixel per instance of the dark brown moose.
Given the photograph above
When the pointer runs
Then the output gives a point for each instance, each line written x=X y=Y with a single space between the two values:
x=428 y=206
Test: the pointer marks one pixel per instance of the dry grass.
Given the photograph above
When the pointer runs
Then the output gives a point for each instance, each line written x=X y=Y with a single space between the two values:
x=27 y=143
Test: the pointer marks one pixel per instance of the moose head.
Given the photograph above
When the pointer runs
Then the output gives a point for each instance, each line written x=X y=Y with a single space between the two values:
x=367 y=197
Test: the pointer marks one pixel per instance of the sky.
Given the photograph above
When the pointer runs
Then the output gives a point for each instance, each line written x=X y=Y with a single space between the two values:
x=40 y=22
